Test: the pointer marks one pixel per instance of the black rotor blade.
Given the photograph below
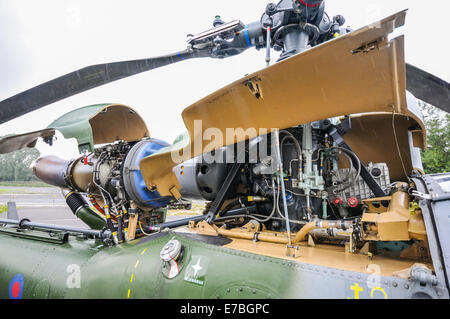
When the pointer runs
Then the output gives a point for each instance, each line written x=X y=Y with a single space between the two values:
x=17 y=142
x=428 y=87
x=82 y=80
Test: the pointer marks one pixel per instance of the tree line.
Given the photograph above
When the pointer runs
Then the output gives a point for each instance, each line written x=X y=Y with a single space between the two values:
x=16 y=166
x=436 y=158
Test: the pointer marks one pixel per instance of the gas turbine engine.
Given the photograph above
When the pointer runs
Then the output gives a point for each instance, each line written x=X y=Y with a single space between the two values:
x=109 y=174
x=322 y=179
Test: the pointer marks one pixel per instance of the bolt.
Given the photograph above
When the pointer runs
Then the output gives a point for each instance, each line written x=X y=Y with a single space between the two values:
x=228 y=289
x=394 y=284
x=406 y=286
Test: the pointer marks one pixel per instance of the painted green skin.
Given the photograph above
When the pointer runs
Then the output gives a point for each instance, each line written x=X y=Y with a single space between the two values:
x=76 y=124
x=105 y=272
x=135 y=270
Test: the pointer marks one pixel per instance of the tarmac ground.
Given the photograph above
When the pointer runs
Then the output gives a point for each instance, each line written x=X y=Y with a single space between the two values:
x=47 y=205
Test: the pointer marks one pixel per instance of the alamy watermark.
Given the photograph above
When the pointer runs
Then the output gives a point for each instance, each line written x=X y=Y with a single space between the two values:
x=214 y=145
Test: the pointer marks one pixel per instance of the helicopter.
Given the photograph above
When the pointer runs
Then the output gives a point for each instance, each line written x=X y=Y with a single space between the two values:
x=310 y=169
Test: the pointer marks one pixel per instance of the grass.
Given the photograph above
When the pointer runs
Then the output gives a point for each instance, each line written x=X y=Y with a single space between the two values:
x=16 y=192
x=3 y=208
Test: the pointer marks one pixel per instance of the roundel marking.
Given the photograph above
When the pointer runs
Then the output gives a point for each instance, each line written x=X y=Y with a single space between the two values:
x=16 y=287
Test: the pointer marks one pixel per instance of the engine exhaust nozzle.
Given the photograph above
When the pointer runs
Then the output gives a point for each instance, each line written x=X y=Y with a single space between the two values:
x=51 y=170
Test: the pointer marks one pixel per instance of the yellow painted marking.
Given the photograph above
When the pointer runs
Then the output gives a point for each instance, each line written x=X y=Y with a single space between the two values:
x=357 y=289
x=135 y=266
x=378 y=289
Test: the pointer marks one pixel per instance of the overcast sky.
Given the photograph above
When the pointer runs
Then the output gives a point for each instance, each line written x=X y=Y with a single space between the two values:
x=41 y=40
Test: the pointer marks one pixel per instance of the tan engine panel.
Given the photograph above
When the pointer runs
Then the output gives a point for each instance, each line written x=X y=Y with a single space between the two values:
x=322 y=82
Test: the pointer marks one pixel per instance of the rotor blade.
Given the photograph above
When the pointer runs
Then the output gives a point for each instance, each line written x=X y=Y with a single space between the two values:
x=83 y=80
x=428 y=87
x=16 y=142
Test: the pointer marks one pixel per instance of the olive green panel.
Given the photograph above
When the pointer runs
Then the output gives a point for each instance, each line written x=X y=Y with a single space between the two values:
x=83 y=268
x=76 y=124
x=101 y=124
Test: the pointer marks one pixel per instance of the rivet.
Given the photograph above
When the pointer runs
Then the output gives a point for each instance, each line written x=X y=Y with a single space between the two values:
x=228 y=289
x=406 y=286
x=240 y=289
x=254 y=292
x=394 y=284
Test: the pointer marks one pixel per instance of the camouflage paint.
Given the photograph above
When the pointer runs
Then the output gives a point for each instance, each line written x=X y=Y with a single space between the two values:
x=83 y=268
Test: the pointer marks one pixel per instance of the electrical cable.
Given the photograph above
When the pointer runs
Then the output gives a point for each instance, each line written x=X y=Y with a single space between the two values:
x=396 y=143
x=350 y=168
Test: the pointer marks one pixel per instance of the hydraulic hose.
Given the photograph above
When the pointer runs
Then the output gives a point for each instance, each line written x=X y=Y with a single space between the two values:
x=82 y=211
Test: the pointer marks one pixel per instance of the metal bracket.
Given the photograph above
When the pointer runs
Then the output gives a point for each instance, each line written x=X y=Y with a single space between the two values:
x=434 y=197
x=254 y=87
x=421 y=195
x=292 y=251
x=367 y=47
x=221 y=195
x=423 y=275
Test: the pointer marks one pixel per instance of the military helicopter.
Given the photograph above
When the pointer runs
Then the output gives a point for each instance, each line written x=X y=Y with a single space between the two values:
x=318 y=181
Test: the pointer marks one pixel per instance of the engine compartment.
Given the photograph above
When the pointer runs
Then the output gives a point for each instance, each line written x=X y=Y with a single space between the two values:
x=297 y=184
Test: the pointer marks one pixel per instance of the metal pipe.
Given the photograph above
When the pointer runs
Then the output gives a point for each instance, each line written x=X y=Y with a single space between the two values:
x=185 y=221
x=283 y=190
x=268 y=44
x=320 y=224
x=280 y=239
x=267 y=237
x=23 y=223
